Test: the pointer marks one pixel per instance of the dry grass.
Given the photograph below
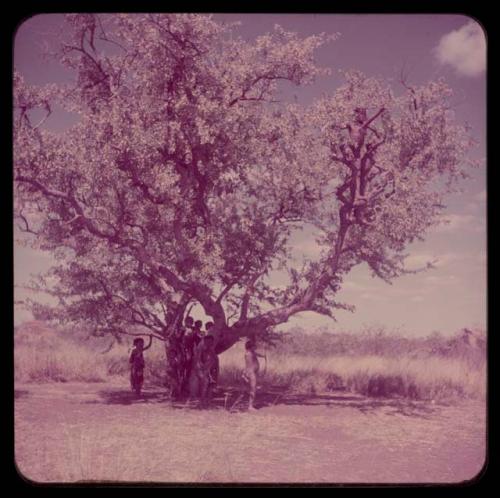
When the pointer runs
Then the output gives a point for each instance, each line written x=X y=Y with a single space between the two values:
x=421 y=378
x=431 y=377
x=422 y=372
x=72 y=363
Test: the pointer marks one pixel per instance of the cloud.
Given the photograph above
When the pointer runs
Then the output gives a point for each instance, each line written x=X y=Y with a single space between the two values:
x=356 y=286
x=464 y=49
x=477 y=202
x=441 y=280
x=308 y=248
x=481 y=259
x=303 y=244
x=371 y=296
x=420 y=260
x=417 y=299
x=481 y=197
x=455 y=222
x=447 y=258
x=471 y=206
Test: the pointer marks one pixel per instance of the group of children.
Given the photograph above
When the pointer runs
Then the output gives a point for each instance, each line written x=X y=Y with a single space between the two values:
x=193 y=365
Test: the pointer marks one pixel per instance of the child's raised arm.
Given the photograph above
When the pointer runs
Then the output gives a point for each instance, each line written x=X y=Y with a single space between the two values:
x=150 y=342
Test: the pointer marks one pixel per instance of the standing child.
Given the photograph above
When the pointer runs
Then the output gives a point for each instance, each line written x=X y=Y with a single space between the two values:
x=251 y=371
x=214 y=371
x=203 y=361
x=176 y=363
x=188 y=322
x=136 y=361
x=188 y=345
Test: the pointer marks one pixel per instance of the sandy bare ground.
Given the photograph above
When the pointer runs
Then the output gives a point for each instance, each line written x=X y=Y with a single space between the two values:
x=74 y=432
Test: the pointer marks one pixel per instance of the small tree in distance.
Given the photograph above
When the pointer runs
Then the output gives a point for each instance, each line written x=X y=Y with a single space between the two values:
x=184 y=179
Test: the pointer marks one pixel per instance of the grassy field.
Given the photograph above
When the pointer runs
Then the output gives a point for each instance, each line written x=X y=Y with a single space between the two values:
x=384 y=409
x=372 y=363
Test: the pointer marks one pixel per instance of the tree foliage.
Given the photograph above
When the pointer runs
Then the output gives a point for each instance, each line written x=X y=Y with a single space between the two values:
x=185 y=179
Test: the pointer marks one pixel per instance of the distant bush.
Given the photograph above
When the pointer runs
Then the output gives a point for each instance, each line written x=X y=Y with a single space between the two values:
x=376 y=340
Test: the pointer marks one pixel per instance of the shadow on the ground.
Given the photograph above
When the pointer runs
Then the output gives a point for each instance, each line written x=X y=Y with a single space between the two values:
x=235 y=399
x=127 y=397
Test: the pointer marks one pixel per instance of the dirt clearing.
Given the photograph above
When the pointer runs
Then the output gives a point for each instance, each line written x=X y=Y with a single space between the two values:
x=86 y=432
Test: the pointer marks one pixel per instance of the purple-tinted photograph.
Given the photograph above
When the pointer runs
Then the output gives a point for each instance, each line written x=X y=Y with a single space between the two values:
x=250 y=248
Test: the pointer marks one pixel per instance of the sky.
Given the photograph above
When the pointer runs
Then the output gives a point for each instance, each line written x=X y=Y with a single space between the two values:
x=423 y=47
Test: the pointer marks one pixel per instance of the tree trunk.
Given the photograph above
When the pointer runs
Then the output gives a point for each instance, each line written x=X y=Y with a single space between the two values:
x=178 y=365
x=175 y=367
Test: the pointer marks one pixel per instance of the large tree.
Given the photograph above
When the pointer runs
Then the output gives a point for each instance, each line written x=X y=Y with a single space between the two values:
x=185 y=179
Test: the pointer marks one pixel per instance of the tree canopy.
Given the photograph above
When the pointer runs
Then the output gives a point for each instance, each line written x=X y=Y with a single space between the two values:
x=185 y=177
